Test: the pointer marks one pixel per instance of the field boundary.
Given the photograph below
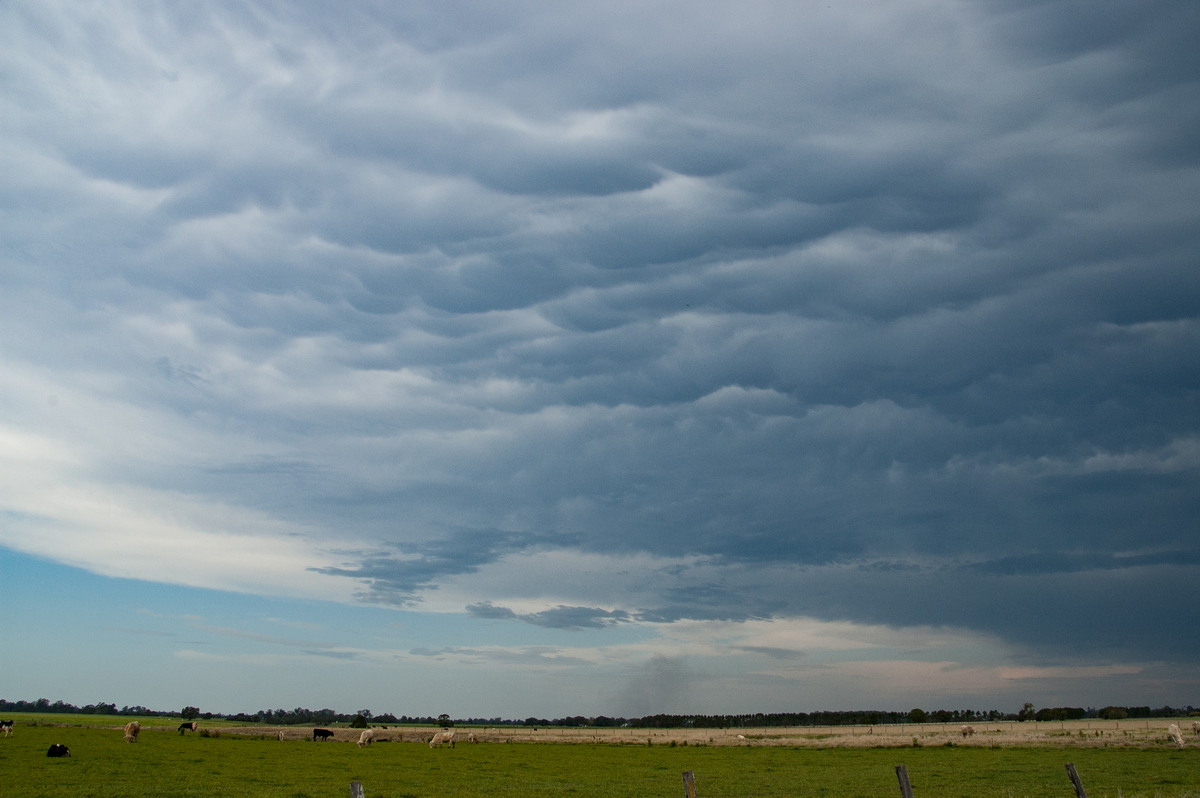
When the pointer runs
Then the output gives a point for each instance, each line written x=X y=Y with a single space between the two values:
x=1139 y=733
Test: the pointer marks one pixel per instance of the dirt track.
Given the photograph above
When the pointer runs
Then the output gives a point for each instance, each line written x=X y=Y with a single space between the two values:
x=1064 y=734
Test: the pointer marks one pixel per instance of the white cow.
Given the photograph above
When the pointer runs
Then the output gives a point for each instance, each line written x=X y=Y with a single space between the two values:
x=1176 y=734
x=471 y=738
x=132 y=729
x=1196 y=727
x=366 y=738
x=444 y=736
x=967 y=731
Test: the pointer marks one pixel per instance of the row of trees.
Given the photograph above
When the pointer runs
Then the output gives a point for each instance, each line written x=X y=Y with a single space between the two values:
x=44 y=705
x=364 y=717
x=877 y=718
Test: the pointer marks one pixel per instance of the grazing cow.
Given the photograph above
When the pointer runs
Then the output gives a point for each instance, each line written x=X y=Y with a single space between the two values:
x=7 y=725
x=366 y=738
x=321 y=735
x=1195 y=726
x=132 y=729
x=58 y=749
x=471 y=738
x=444 y=736
x=967 y=731
x=187 y=726
x=1176 y=734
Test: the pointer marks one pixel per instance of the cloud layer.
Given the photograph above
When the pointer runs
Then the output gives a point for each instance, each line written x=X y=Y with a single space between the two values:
x=622 y=315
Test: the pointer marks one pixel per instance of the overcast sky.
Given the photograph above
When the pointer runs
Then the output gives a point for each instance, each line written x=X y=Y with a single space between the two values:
x=538 y=358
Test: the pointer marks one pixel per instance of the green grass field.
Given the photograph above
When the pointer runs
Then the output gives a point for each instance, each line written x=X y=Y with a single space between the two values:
x=164 y=763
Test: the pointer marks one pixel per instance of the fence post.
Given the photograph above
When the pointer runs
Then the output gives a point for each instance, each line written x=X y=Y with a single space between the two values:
x=689 y=784
x=902 y=776
x=356 y=790
x=1079 y=793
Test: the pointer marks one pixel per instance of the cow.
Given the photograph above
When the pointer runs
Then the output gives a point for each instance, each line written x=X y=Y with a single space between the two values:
x=187 y=726
x=132 y=729
x=967 y=731
x=280 y=735
x=7 y=725
x=58 y=749
x=1176 y=734
x=321 y=735
x=366 y=738
x=1195 y=726
x=471 y=738
x=444 y=736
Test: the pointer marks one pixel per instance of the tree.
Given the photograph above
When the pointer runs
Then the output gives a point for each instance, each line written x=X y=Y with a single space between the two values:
x=1027 y=712
x=190 y=713
x=359 y=722
x=917 y=715
x=444 y=721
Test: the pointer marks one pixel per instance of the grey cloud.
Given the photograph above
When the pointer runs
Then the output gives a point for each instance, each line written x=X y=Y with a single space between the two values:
x=709 y=602
x=488 y=610
x=560 y=617
x=438 y=652
x=530 y=163
x=1051 y=612
x=338 y=655
x=799 y=287
x=399 y=579
x=521 y=656
x=1059 y=562
x=787 y=654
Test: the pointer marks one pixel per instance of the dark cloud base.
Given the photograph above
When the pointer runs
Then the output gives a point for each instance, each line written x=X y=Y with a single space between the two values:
x=885 y=317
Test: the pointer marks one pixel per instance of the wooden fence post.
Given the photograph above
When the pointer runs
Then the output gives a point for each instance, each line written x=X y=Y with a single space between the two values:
x=689 y=784
x=902 y=776
x=1079 y=793
x=356 y=790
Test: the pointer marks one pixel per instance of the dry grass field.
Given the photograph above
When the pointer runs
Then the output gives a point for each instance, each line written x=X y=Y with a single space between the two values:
x=1059 y=734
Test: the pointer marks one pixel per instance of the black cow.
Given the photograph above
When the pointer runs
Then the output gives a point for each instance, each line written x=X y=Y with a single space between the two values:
x=7 y=725
x=322 y=734
x=187 y=726
x=58 y=749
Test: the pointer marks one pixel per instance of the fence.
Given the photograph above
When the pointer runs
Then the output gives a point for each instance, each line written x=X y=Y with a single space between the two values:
x=689 y=783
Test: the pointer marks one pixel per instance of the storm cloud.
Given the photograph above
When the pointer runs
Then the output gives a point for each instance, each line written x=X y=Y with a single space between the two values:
x=605 y=316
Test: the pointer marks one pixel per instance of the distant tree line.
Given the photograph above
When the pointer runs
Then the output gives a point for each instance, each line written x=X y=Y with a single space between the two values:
x=43 y=705
x=364 y=717
x=877 y=717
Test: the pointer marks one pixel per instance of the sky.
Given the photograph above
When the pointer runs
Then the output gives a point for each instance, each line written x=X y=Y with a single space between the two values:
x=538 y=359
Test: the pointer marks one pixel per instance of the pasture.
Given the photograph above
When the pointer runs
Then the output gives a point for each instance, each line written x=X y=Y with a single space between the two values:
x=250 y=762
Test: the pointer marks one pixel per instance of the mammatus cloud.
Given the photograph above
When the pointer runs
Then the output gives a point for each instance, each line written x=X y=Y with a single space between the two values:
x=610 y=320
